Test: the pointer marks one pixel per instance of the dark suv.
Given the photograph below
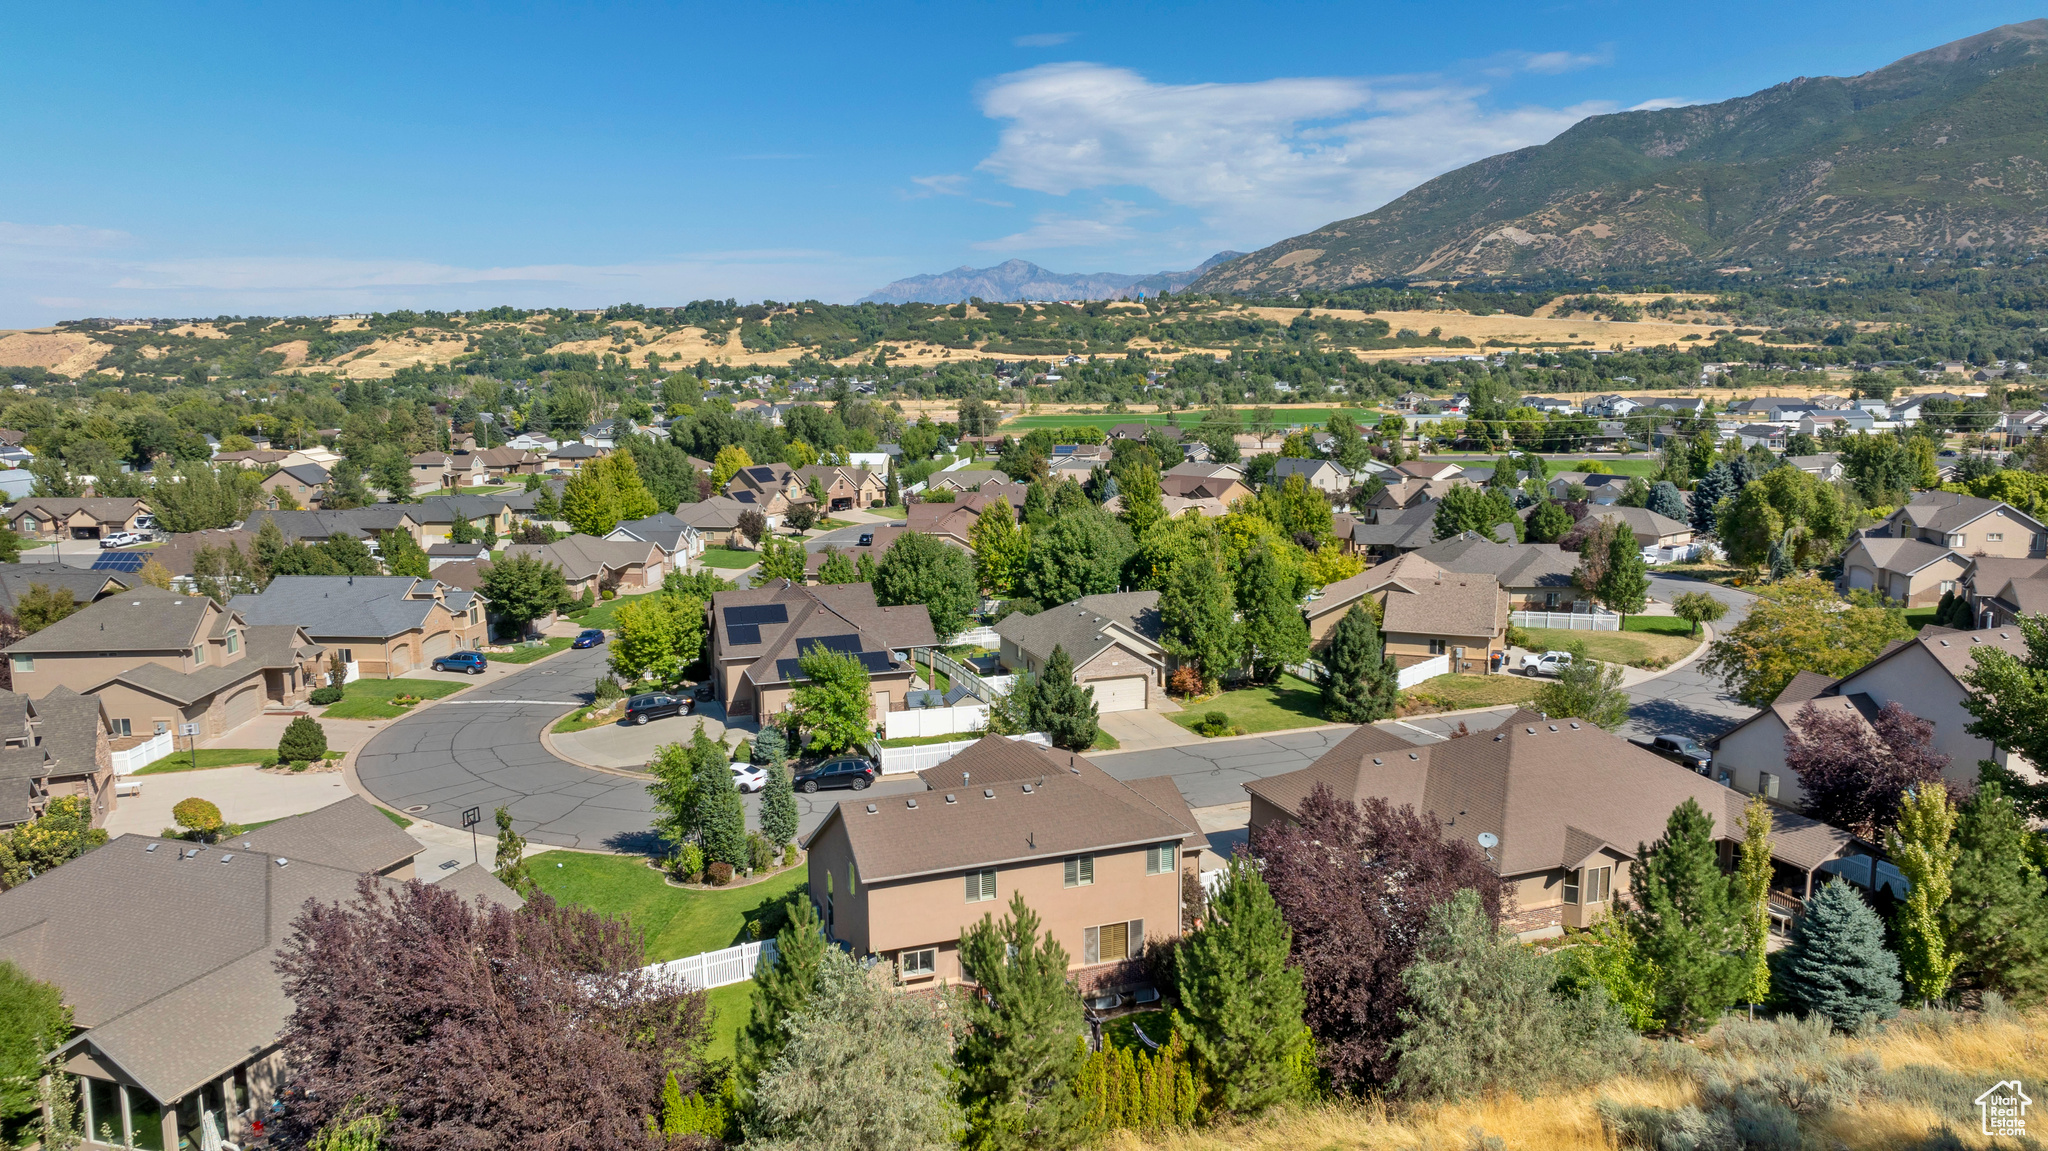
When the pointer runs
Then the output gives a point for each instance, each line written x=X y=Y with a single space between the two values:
x=470 y=661
x=848 y=771
x=659 y=705
x=1684 y=752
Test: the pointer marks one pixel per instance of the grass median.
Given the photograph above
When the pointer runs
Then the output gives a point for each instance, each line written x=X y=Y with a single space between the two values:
x=373 y=698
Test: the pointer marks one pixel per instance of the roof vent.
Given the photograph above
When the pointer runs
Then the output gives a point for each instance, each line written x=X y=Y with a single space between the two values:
x=1412 y=755
x=910 y=803
x=1376 y=761
x=1497 y=737
x=1075 y=770
x=225 y=858
x=1027 y=789
x=151 y=847
x=1575 y=727
x=191 y=853
x=281 y=861
x=1553 y=727
x=950 y=799
x=871 y=809
x=1530 y=730
x=1943 y=643
x=2004 y=635
x=987 y=793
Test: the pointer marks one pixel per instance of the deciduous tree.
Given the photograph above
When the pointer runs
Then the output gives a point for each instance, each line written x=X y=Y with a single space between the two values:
x=1588 y=689
x=919 y=569
x=62 y=833
x=658 y=636
x=1800 y=625
x=1474 y=509
x=401 y=553
x=1075 y=554
x=1923 y=846
x=524 y=588
x=1000 y=548
x=1855 y=771
x=1753 y=897
x=1624 y=585
x=1273 y=631
x=831 y=702
x=510 y=863
x=33 y=1023
x=1697 y=607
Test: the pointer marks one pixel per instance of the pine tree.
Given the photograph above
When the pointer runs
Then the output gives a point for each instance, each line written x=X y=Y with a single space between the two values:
x=1837 y=966
x=1753 y=894
x=1018 y=1062
x=304 y=741
x=1923 y=846
x=781 y=988
x=721 y=818
x=510 y=864
x=1707 y=492
x=1665 y=501
x=1997 y=914
x=1358 y=683
x=1683 y=918
x=1197 y=613
x=1061 y=708
x=1241 y=1003
x=778 y=802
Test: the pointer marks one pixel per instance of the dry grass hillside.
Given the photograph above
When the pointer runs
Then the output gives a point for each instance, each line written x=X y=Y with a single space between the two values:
x=1896 y=1089
x=68 y=352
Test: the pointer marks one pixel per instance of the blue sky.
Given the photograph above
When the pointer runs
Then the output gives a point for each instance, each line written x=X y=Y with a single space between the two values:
x=197 y=159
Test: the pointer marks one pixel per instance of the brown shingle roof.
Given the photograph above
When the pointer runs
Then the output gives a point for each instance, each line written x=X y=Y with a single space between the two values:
x=1449 y=605
x=1071 y=806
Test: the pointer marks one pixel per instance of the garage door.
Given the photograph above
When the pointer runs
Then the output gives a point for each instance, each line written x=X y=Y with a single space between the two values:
x=439 y=645
x=1126 y=693
x=245 y=705
x=1860 y=578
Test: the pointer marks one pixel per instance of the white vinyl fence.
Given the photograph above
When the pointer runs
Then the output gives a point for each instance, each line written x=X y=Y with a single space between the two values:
x=1430 y=668
x=717 y=968
x=961 y=675
x=925 y=756
x=983 y=636
x=1568 y=620
x=919 y=722
x=145 y=753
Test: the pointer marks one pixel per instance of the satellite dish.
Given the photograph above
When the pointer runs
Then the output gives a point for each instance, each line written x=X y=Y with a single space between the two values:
x=1489 y=840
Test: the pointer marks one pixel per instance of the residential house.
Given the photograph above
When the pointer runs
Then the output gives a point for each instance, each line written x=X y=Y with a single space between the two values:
x=1102 y=863
x=759 y=635
x=677 y=539
x=1548 y=405
x=364 y=523
x=1224 y=487
x=1537 y=577
x=1326 y=476
x=436 y=470
x=716 y=520
x=1922 y=675
x=1651 y=530
x=1388 y=532
x=1912 y=571
x=1764 y=406
x=43 y=519
x=769 y=488
x=847 y=487
x=1408 y=493
x=1826 y=465
x=1144 y=432
x=1076 y=462
x=965 y=480
x=1425 y=612
x=572 y=457
x=1112 y=639
x=157 y=659
x=85 y=585
x=1600 y=487
x=443 y=554
x=2001 y=590
x=525 y=504
x=1610 y=406
x=531 y=442
x=1559 y=807
x=54 y=747
x=606 y=433
x=252 y=458
x=1846 y=421
x=1258 y=443
x=173 y=1037
x=306 y=484
x=1967 y=524
x=592 y=564
x=1437 y=470
x=385 y=625
x=501 y=464
x=437 y=516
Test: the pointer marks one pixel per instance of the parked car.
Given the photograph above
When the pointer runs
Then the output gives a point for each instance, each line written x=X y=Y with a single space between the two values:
x=749 y=777
x=466 y=661
x=1549 y=663
x=851 y=771
x=121 y=540
x=1681 y=751
x=589 y=637
x=657 y=705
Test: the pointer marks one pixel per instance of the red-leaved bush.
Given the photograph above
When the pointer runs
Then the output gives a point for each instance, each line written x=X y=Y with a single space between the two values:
x=1356 y=883
x=1854 y=772
x=476 y=1027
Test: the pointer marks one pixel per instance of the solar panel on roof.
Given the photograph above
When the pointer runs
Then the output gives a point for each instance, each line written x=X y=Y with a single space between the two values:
x=757 y=613
x=762 y=473
x=846 y=643
x=743 y=634
x=120 y=562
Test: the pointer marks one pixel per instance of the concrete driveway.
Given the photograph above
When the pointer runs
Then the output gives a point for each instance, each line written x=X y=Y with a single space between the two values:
x=1143 y=730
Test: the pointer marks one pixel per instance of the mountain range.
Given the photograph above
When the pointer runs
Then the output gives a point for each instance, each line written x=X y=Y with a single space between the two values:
x=1024 y=280
x=1940 y=151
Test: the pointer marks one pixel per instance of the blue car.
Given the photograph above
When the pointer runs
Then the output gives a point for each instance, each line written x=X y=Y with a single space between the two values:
x=470 y=661
x=589 y=637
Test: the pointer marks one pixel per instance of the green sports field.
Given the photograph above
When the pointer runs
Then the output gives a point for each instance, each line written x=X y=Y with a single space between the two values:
x=1282 y=415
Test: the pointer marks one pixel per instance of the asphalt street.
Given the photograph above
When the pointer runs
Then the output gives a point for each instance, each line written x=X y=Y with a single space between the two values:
x=483 y=749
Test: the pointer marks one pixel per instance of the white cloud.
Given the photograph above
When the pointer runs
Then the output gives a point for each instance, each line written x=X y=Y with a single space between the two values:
x=951 y=184
x=1051 y=230
x=1257 y=160
x=59 y=236
x=1661 y=102
x=1554 y=63
x=1043 y=39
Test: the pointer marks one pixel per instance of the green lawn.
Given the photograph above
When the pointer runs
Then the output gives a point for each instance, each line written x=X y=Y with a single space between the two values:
x=554 y=644
x=208 y=757
x=371 y=698
x=1919 y=617
x=921 y=740
x=600 y=615
x=1455 y=692
x=580 y=720
x=674 y=921
x=1290 y=702
x=1646 y=640
x=1282 y=414
x=894 y=511
x=396 y=818
x=1104 y=742
x=729 y=558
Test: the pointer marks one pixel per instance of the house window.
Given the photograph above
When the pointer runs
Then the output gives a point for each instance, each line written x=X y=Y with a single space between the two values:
x=121 y=727
x=1549 y=600
x=917 y=964
x=981 y=885
x=1438 y=647
x=234 y=642
x=199 y=654
x=24 y=663
x=1948 y=585
x=1955 y=541
x=348 y=655
x=1080 y=870
x=1112 y=942
x=1767 y=785
x=1593 y=883
x=1994 y=537
x=1160 y=858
